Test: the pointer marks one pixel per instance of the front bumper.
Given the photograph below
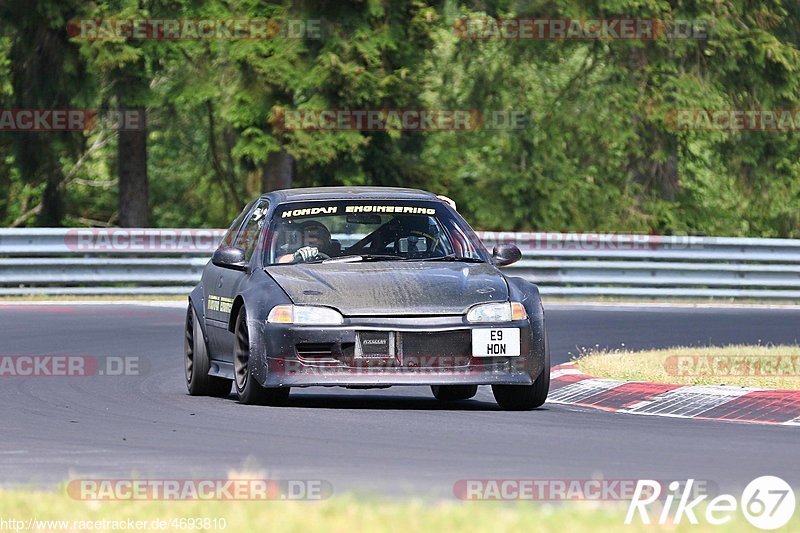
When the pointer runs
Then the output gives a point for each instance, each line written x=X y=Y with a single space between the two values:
x=426 y=351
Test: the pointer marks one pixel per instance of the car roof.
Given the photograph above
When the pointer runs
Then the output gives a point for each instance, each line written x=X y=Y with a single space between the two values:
x=348 y=193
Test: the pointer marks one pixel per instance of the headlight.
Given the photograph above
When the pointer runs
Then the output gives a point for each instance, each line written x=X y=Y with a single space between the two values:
x=499 y=312
x=305 y=314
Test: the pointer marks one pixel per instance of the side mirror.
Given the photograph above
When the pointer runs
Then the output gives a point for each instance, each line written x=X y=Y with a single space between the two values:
x=229 y=257
x=505 y=254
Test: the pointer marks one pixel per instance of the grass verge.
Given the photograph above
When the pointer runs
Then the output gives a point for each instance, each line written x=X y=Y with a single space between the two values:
x=769 y=367
x=341 y=513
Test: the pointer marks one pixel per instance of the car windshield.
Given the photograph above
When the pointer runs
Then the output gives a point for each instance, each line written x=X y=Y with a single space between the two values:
x=358 y=230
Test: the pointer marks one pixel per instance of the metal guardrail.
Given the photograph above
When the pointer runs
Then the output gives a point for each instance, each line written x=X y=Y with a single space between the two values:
x=170 y=261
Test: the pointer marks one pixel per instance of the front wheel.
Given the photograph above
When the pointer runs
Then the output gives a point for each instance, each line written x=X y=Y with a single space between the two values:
x=525 y=397
x=197 y=364
x=248 y=388
x=449 y=393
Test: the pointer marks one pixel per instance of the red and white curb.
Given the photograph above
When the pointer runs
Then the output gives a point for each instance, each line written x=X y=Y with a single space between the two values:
x=570 y=386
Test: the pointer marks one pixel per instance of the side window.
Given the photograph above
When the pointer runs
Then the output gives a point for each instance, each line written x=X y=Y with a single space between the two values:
x=230 y=235
x=248 y=237
x=462 y=241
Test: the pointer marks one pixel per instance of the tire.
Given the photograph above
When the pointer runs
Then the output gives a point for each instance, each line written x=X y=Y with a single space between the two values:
x=526 y=397
x=449 y=393
x=196 y=362
x=248 y=388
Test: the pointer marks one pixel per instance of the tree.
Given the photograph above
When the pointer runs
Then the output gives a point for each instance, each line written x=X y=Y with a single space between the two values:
x=46 y=73
x=124 y=71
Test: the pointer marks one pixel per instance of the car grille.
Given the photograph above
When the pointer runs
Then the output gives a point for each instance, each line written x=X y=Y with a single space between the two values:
x=315 y=349
x=424 y=349
x=439 y=344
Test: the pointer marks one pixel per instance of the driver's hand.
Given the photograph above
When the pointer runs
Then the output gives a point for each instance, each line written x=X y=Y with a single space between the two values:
x=306 y=253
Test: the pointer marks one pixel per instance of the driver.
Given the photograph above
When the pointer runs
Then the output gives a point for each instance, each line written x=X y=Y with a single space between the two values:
x=315 y=239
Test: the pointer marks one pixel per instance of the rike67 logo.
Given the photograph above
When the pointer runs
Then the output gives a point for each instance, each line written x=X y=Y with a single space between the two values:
x=767 y=502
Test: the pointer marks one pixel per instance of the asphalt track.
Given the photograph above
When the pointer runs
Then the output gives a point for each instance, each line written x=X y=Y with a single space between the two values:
x=398 y=441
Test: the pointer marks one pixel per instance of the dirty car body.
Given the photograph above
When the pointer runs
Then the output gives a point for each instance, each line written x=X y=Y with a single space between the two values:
x=362 y=287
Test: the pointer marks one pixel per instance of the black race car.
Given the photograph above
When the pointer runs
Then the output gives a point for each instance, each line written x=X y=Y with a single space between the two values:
x=363 y=287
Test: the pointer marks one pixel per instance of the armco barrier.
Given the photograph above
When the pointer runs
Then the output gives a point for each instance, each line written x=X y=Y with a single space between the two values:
x=169 y=261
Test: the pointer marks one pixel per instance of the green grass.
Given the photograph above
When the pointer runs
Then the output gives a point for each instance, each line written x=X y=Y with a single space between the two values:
x=347 y=513
x=769 y=367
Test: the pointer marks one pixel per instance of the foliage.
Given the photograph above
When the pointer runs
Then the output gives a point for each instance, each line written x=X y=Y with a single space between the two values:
x=597 y=151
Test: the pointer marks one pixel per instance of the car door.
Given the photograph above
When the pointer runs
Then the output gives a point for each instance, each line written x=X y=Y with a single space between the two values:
x=212 y=282
x=225 y=282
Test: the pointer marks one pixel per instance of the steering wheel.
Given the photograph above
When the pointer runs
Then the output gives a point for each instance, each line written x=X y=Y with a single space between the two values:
x=320 y=255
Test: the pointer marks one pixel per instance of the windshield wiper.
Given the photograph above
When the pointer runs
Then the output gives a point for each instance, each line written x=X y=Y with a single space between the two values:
x=451 y=257
x=362 y=257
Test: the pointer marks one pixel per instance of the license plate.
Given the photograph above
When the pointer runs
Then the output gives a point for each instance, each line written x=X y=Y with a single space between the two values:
x=496 y=342
x=374 y=344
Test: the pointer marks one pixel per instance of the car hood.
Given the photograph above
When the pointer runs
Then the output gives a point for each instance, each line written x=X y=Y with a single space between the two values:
x=392 y=288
